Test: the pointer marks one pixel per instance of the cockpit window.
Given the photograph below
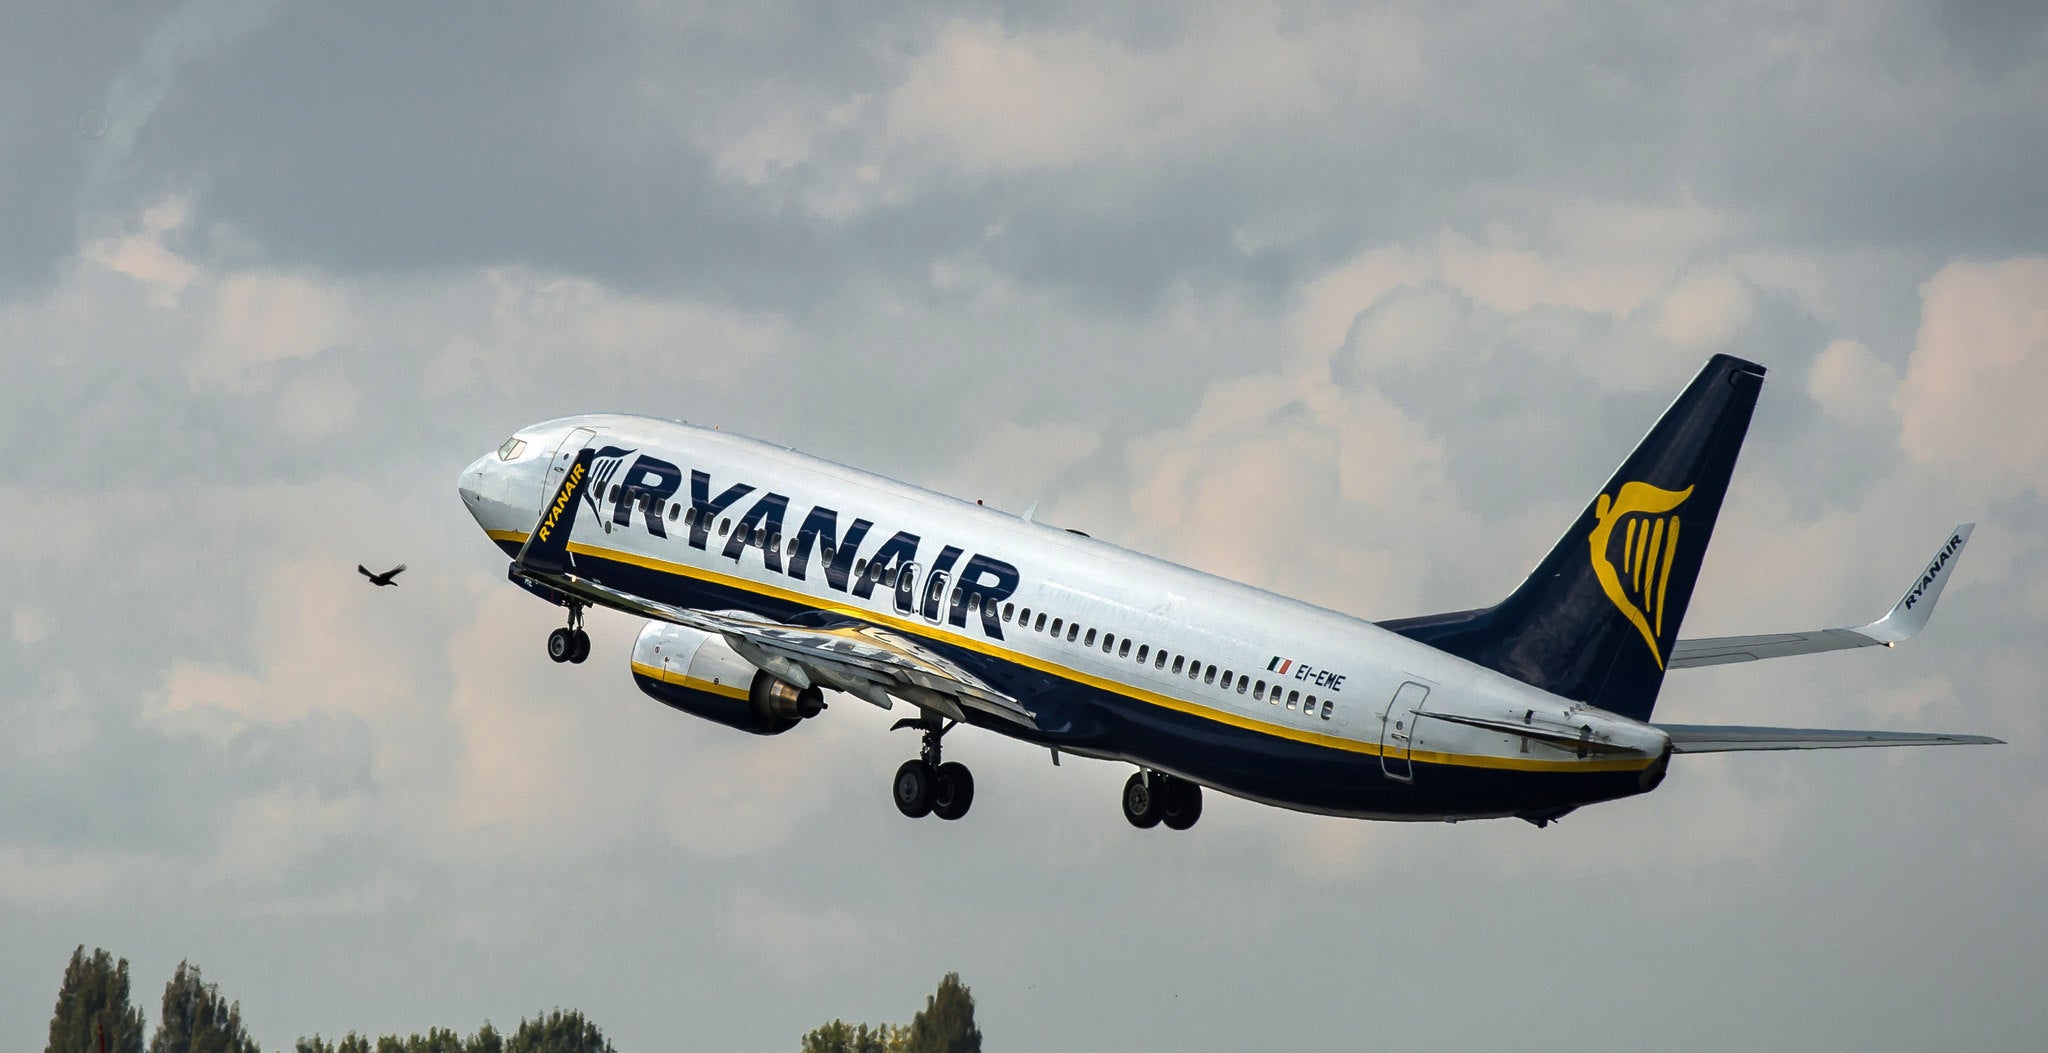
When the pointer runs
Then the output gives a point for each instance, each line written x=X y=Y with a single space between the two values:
x=511 y=449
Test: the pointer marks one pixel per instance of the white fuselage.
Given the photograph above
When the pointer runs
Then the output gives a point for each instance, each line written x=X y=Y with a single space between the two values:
x=1215 y=681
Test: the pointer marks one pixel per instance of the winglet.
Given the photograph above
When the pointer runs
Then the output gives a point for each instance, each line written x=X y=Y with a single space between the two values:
x=547 y=548
x=1910 y=614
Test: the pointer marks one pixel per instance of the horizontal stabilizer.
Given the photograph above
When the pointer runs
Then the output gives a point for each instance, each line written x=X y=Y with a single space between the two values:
x=1907 y=618
x=1708 y=738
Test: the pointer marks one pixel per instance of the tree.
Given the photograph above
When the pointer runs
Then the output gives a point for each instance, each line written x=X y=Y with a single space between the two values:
x=946 y=1024
x=558 y=1032
x=196 y=1019
x=842 y=1037
x=94 y=998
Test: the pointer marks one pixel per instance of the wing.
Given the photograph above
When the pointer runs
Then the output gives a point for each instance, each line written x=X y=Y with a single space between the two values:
x=1705 y=738
x=865 y=660
x=395 y=571
x=1907 y=618
x=365 y=571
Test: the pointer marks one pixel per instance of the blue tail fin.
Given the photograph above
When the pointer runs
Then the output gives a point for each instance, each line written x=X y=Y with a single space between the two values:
x=1596 y=619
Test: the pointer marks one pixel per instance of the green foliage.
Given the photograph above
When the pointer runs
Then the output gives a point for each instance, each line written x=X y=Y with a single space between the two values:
x=842 y=1037
x=94 y=998
x=558 y=1032
x=196 y=1019
x=946 y=1025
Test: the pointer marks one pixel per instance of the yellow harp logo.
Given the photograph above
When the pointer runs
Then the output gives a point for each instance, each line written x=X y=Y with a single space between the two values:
x=1648 y=542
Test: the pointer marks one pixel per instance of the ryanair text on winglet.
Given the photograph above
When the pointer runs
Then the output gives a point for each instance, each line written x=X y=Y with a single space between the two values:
x=1947 y=553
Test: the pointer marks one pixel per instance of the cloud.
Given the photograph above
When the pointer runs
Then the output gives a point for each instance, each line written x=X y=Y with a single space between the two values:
x=1981 y=357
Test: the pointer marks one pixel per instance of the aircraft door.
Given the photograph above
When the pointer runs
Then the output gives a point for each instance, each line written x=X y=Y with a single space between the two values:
x=564 y=456
x=935 y=597
x=1397 y=731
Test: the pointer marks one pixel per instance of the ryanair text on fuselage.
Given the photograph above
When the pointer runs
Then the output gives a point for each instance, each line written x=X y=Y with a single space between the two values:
x=651 y=483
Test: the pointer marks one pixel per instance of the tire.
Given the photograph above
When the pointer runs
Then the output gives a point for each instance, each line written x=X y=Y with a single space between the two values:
x=561 y=644
x=1141 y=801
x=1183 y=804
x=581 y=646
x=954 y=792
x=914 y=788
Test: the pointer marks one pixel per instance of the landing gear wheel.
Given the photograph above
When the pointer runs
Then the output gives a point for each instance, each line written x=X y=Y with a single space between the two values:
x=580 y=645
x=1142 y=805
x=561 y=645
x=1183 y=804
x=915 y=788
x=953 y=793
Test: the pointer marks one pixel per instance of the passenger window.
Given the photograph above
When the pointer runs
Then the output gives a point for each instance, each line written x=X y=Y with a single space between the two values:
x=1040 y=626
x=1260 y=691
x=674 y=511
x=1308 y=705
x=1125 y=650
x=774 y=539
x=1292 y=698
x=1142 y=648
x=760 y=538
x=1194 y=670
x=690 y=517
x=724 y=527
x=1226 y=680
x=860 y=569
x=1090 y=641
x=1159 y=659
x=1056 y=623
x=1008 y=609
x=1108 y=642
x=826 y=552
x=1327 y=705
x=973 y=604
x=1242 y=683
x=1209 y=675
x=792 y=548
x=956 y=596
x=1073 y=631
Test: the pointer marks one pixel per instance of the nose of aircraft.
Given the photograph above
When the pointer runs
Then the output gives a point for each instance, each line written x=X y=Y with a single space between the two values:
x=471 y=485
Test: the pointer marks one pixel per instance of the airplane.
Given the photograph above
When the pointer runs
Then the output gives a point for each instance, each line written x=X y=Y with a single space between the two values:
x=768 y=577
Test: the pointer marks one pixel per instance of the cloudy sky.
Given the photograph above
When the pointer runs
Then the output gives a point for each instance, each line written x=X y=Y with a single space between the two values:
x=1359 y=305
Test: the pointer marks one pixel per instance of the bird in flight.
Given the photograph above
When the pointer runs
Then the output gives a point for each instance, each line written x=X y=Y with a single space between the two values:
x=381 y=579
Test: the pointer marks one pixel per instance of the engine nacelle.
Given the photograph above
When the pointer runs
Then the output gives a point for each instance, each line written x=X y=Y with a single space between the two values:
x=700 y=674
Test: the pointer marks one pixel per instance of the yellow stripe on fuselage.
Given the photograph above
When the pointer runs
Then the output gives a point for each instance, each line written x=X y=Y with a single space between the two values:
x=1140 y=694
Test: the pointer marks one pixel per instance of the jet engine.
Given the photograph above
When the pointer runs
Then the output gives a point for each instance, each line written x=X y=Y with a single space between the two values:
x=700 y=674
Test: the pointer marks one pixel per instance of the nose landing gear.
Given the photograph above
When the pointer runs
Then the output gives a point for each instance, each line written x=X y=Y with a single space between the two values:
x=1153 y=797
x=925 y=786
x=570 y=644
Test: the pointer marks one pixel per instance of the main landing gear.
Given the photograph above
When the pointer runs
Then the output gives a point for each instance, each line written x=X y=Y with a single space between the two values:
x=1153 y=797
x=924 y=786
x=570 y=644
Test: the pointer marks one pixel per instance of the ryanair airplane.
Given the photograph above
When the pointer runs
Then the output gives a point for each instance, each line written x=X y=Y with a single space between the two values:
x=768 y=577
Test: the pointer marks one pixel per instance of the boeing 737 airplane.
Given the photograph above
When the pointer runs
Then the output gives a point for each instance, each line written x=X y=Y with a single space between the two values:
x=768 y=577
